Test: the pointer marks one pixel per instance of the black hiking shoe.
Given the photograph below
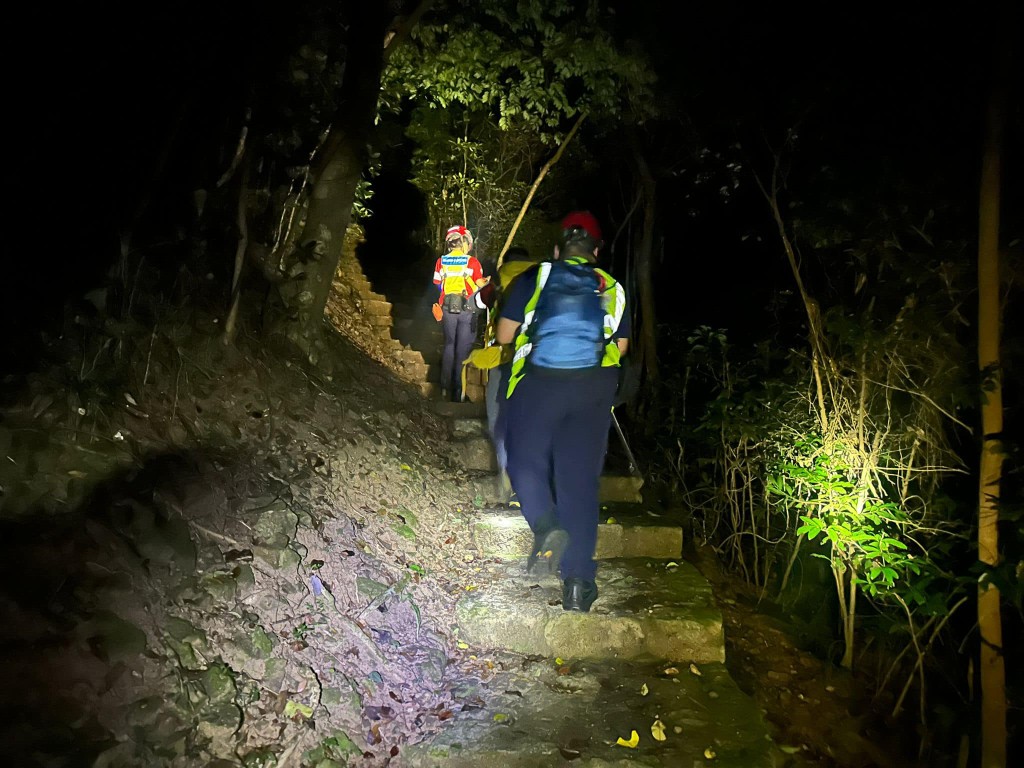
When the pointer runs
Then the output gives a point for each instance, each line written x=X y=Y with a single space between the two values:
x=547 y=552
x=578 y=595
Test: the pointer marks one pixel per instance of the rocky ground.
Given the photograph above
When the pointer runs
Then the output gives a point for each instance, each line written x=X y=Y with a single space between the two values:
x=218 y=556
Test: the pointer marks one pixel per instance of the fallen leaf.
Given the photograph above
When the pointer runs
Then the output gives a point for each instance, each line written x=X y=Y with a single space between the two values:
x=462 y=645
x=569 y=754
x=709 y=753
x=559 y=661
x=564 y=670
x=610 y=521
x=695 y=670
x=407 y=468
x=658 y=730
x=644 y=690
x=293 y=708
x=677 y=728
x=500 y=717
x=634 y=739
x=671 y=671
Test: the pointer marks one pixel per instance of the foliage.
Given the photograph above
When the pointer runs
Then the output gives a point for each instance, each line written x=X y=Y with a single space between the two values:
x=866 y=534
x=490 y=90
x=841 y=452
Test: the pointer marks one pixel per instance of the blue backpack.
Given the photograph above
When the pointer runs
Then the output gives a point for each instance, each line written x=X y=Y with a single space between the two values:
x=568 y=327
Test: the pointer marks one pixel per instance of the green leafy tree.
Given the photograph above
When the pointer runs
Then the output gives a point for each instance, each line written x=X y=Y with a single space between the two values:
x=492 y=90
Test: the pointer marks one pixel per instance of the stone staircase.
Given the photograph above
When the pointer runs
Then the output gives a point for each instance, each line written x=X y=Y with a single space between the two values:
x=557 y=687
x=648 y=658
x=414 y=340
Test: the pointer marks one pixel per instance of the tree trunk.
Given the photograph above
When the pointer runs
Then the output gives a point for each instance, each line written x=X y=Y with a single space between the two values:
x=336 y=172
x=644 y=272
x=991 y=668
x=536 y=184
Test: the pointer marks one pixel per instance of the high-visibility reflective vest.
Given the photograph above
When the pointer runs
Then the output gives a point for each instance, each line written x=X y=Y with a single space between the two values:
x=454 y=273
x=613 y=299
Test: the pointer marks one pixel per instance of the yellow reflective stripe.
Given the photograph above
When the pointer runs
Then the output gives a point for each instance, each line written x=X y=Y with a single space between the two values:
x=522 y=342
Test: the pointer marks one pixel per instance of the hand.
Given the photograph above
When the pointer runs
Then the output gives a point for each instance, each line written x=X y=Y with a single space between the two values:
x=487 y=294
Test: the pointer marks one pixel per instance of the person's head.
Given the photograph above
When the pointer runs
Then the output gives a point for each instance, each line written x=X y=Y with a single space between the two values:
x=517 y=253
x=459 y=237
x=580 y=236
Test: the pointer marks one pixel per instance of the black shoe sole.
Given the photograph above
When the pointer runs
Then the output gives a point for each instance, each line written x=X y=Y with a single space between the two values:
x=547 y=555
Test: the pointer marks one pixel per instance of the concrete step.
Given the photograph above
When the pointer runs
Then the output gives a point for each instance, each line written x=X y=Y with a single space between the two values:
x=646 y=609
x=541 y=713
x=504 y=533
x=379 y=321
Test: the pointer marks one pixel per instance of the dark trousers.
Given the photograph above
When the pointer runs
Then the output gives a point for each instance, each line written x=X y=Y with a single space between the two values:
x=556 y=435
x=459 y=334
x=497 y=384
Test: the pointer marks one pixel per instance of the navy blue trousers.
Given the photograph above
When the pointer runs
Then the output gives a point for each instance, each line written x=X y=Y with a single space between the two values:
x=556 y=434
x=459 y=334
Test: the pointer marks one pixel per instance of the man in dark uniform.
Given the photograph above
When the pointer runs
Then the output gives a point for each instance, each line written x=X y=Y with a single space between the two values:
x=568 y=321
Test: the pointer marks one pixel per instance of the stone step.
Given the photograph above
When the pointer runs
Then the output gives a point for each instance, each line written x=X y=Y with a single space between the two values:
x=416 y=372
x=646 y=609
x=377 y=308
x=461 y=410
x=462 y=427
x=540 y=713
x=621 y=488
x=409 y=356
x=379 y=321
x=476 y=453
x=614 y=489
x=504 y=533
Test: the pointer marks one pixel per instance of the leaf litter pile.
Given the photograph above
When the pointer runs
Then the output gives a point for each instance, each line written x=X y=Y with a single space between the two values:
x=220 y=554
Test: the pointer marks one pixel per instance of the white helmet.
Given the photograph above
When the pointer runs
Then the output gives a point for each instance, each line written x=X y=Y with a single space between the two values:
x=459 y=232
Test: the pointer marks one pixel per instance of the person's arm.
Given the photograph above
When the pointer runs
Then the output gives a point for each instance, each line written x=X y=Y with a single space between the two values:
x=506 y=331
x=438 y=275
x=513 y=307
x=476 y=275
x=624 y=331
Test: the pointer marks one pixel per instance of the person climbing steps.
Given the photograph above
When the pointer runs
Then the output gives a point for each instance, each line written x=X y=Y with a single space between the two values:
x=458 y=276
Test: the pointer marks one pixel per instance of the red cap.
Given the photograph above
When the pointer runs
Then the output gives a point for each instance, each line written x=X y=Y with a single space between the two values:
x=584 y=220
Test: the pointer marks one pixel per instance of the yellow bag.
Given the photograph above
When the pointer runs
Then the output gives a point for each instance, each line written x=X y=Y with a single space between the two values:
x=483 y=358
x=486 y=357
